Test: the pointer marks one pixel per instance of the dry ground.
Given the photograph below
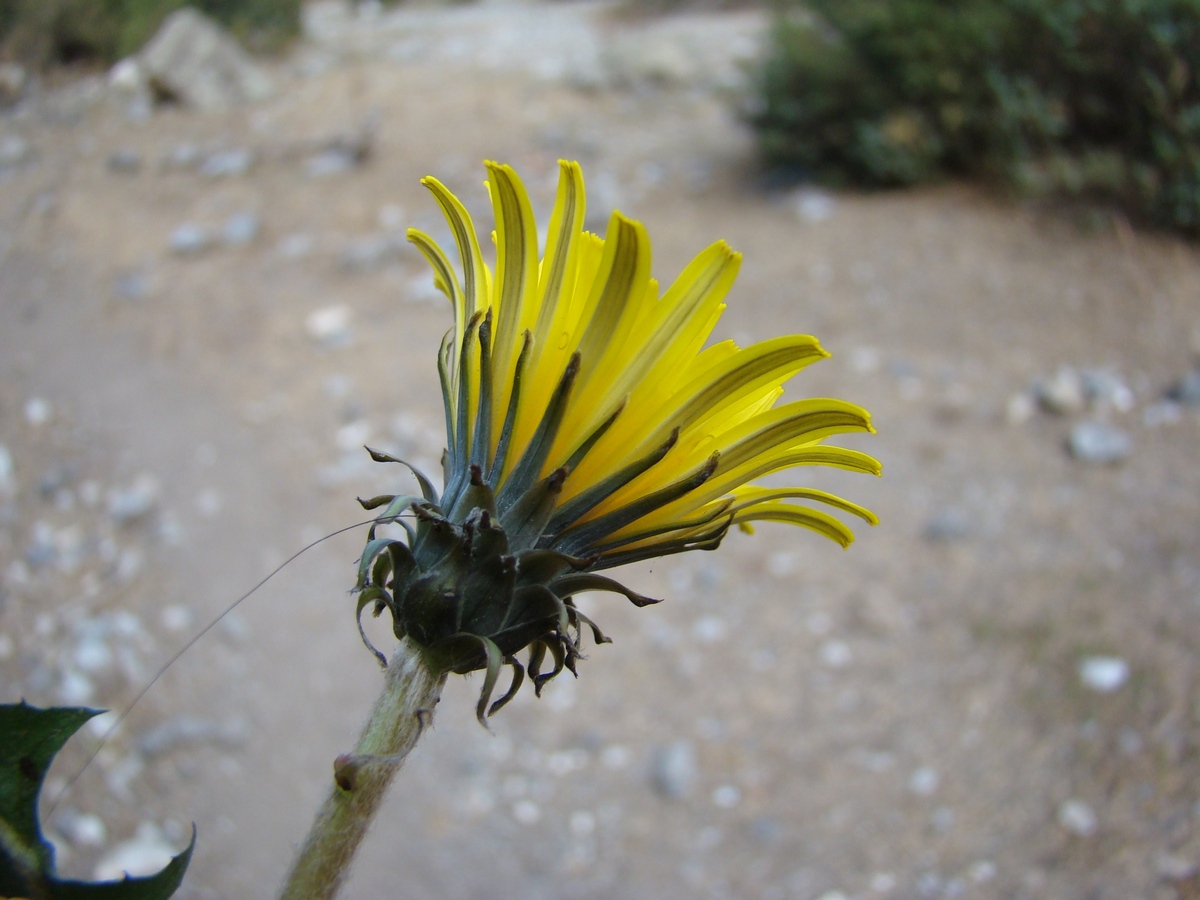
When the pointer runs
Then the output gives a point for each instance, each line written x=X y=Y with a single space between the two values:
x=906 y=719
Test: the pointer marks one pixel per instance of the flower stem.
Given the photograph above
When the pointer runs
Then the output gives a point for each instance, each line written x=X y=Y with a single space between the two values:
x=403 y=710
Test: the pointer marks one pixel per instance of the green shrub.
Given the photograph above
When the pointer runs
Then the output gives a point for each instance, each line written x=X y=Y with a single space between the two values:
x=1089 y=98
x=43 y=32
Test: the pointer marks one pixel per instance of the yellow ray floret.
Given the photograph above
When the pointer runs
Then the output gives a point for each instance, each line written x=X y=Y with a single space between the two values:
x=585 y=400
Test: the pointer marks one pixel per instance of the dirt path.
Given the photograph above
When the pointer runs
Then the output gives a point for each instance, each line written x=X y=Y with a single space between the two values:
x=908 y=719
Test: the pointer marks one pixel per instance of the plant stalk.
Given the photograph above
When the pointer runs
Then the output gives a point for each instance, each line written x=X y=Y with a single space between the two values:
x=404 y=709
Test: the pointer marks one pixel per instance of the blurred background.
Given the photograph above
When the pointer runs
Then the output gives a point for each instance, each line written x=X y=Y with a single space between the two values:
x=987 y=211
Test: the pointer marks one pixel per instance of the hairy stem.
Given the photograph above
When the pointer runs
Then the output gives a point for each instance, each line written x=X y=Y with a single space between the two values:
x=361 y=778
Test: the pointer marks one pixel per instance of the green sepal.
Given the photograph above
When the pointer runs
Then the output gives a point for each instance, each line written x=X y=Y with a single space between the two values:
x=590 y=441
x=403 y=564
x=382 y=599
x=428 y=491
x=481 y=443
x=488 y=588
x=542 y=566
x=426 y=608
x=437 y=538
x=374 y=547
x=525 y=521
x=598 y=493
x=589 y=581
x=539 y=680
x=510 y=417
x=487 y=538
x=665 y=532
x=478 y=495
x=597 y=635
x=517 y=680
x=581 y=537
x=463 y=653
x=462 y=426
x=449 y=398
x=709 y=540
x=30 y=738
x=522 y=477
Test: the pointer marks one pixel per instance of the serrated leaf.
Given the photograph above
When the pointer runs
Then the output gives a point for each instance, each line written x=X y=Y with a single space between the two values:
x=30 y=738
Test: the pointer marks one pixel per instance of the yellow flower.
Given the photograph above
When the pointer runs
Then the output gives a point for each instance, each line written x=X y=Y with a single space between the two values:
x=588 y=426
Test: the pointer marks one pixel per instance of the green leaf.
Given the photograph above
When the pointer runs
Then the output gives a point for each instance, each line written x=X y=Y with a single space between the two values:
x=30 y=738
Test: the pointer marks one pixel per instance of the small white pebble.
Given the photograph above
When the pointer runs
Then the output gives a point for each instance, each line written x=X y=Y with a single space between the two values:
x=38 y=411
x=582 y=823
x=836 y=654
x=982 y=870
x=99 y=725
x=1078 y=818
x=727 y=796
x=781 y=565
x=1019 y=409
x=883 y=882
x=709 y=629
x=924 y=781
x=526 y=812
x=1103 y=673
x=176 y=618
x=329 y=325
x=615 y=756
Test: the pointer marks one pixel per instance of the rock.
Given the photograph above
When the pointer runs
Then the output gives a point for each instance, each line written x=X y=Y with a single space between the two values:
x=193 y=60
x=726 y=796
x=1019 y=409
x=1078 y=818
x=13 y=80
x=241 y=229
x=710 y=629
x=391 y=217
x=132 y=285
x=128 y=504
x=646 y=58
x=1099 y=443
x=924 y=781
x=182 y=156
x=129 y=88
x=1103 y=673
x=127 y=77
x=190 y=731
x=14 y=150
x=38 y=411
x=81 y=829
x=295 y=246
x=228 y=164
x=836 y=654
x=948 y=525
x=1165 y=412
x=1186 y=391
x=813 y=206
x=329 y=325
x=329 y=162
x=1106 y=390
x=125 y=161
x=190 y=239
x=75 y=688
x=8 y=473
x=1062 y=394
x=673 y=769
x=145 y=854
x=324 y=20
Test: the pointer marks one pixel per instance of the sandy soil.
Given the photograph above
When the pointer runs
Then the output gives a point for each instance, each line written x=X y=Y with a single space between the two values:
x=906 y=719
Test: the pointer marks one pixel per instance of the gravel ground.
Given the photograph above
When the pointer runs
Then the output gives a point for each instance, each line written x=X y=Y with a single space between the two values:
x=993 y=694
